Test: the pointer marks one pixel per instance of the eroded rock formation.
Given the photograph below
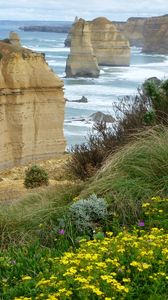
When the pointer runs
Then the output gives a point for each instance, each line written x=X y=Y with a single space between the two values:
x=110 y=46
x=149 y=33
x=156 y=35
x=31 y=107
x=95 y=43
x=67 y=42
x=81 y=61
x=133 y=29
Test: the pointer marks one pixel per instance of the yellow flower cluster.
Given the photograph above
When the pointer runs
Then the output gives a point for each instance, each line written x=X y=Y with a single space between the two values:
x=107 y=269
x=117 y=267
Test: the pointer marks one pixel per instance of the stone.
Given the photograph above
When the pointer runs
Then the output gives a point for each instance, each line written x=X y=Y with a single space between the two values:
x=156 y=35
x=133 y=30
x=81 y=61
x=82 y=100
x=14 y=39
x=31 y=108
x=110 y=46
x=149 y=33
x=95 y=43
x=67 y=41
x=101 y=117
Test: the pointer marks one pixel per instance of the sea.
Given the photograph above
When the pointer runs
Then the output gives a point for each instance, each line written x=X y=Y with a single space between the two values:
x=112 y=86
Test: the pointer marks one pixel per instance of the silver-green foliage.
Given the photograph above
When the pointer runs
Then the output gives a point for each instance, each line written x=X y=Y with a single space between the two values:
x=88 y=213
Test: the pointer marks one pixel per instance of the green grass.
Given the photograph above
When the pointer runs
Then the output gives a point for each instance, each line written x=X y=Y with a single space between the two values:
x=134 y=174
x=19 y=223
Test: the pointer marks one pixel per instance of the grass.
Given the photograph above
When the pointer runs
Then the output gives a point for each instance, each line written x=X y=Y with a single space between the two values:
x=19 y=222
x=135 y=173
x=127 y=263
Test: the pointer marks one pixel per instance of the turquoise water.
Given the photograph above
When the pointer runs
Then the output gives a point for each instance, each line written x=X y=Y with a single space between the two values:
x=113 y=83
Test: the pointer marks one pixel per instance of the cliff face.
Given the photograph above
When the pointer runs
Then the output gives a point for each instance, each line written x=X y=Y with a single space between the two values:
x=156 y=35
x=133 y=30
x=81 y=61
x=110 y=46
x=149 y=33
x=31 y=107
x=96 y=43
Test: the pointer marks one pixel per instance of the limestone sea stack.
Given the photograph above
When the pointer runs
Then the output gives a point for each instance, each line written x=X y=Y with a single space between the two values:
x=67 y=41
x=110 y=46
x=81 y=61
x=31 y=107
x=95 y=43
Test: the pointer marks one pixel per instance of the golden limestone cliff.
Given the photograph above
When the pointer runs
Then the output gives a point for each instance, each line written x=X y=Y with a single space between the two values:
x=110 y=46
x=149 y=33
x=133 y=29
x=31 y=107
x=156 y=35
x=95 y=43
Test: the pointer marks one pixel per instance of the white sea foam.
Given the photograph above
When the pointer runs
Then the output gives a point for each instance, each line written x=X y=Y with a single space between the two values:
x=136 y=74
x=56 y=63
x=49 y=49
x=153 y=64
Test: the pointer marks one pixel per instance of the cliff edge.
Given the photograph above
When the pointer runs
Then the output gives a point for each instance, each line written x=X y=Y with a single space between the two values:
x=31 y=106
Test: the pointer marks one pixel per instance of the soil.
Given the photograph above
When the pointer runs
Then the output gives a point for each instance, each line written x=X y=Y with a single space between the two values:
x=12 y=180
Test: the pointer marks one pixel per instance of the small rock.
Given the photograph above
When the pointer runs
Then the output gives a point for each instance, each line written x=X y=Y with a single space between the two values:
x=101 y=117
x=82 y=100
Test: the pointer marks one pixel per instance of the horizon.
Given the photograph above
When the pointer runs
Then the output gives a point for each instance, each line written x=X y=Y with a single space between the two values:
x=63 y=10
x=59 y=20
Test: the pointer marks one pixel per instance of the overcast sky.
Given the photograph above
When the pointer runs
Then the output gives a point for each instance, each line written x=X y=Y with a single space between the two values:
x=88 y=9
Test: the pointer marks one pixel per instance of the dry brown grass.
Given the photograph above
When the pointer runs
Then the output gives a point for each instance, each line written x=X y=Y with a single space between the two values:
x=12 y=180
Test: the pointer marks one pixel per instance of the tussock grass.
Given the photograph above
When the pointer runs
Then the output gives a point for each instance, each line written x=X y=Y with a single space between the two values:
x=138 y=171
x=19 y=221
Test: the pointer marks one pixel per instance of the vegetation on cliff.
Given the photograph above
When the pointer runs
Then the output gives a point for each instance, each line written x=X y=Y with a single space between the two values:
x=105 y=238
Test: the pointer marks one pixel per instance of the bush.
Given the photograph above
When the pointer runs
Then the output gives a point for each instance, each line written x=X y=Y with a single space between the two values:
x=156 y=92
x=148 y=108
x=103 y=140
x=88 y=157
x=35 y=177
x=87 y=214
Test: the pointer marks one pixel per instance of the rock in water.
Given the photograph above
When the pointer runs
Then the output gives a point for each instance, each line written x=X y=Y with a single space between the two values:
x=110 y=46
x=101 y=117
x=81 y=100
x=81 y=61
x=67 y=42
x=96 y=43
x=31 y=107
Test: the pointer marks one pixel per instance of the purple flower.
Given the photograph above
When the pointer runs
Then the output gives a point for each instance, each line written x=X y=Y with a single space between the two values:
x=61 y=231
x=141 y=223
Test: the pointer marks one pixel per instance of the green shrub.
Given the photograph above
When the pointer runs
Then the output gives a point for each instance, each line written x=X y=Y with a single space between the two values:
x=148 y=108
x=156 y=91
x=35 y=177
x=87 y=214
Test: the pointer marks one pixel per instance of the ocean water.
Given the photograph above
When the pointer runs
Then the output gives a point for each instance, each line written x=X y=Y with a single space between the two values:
x=113 y=83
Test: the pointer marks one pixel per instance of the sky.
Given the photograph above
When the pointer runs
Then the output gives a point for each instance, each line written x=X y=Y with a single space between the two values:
x=66 y=10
